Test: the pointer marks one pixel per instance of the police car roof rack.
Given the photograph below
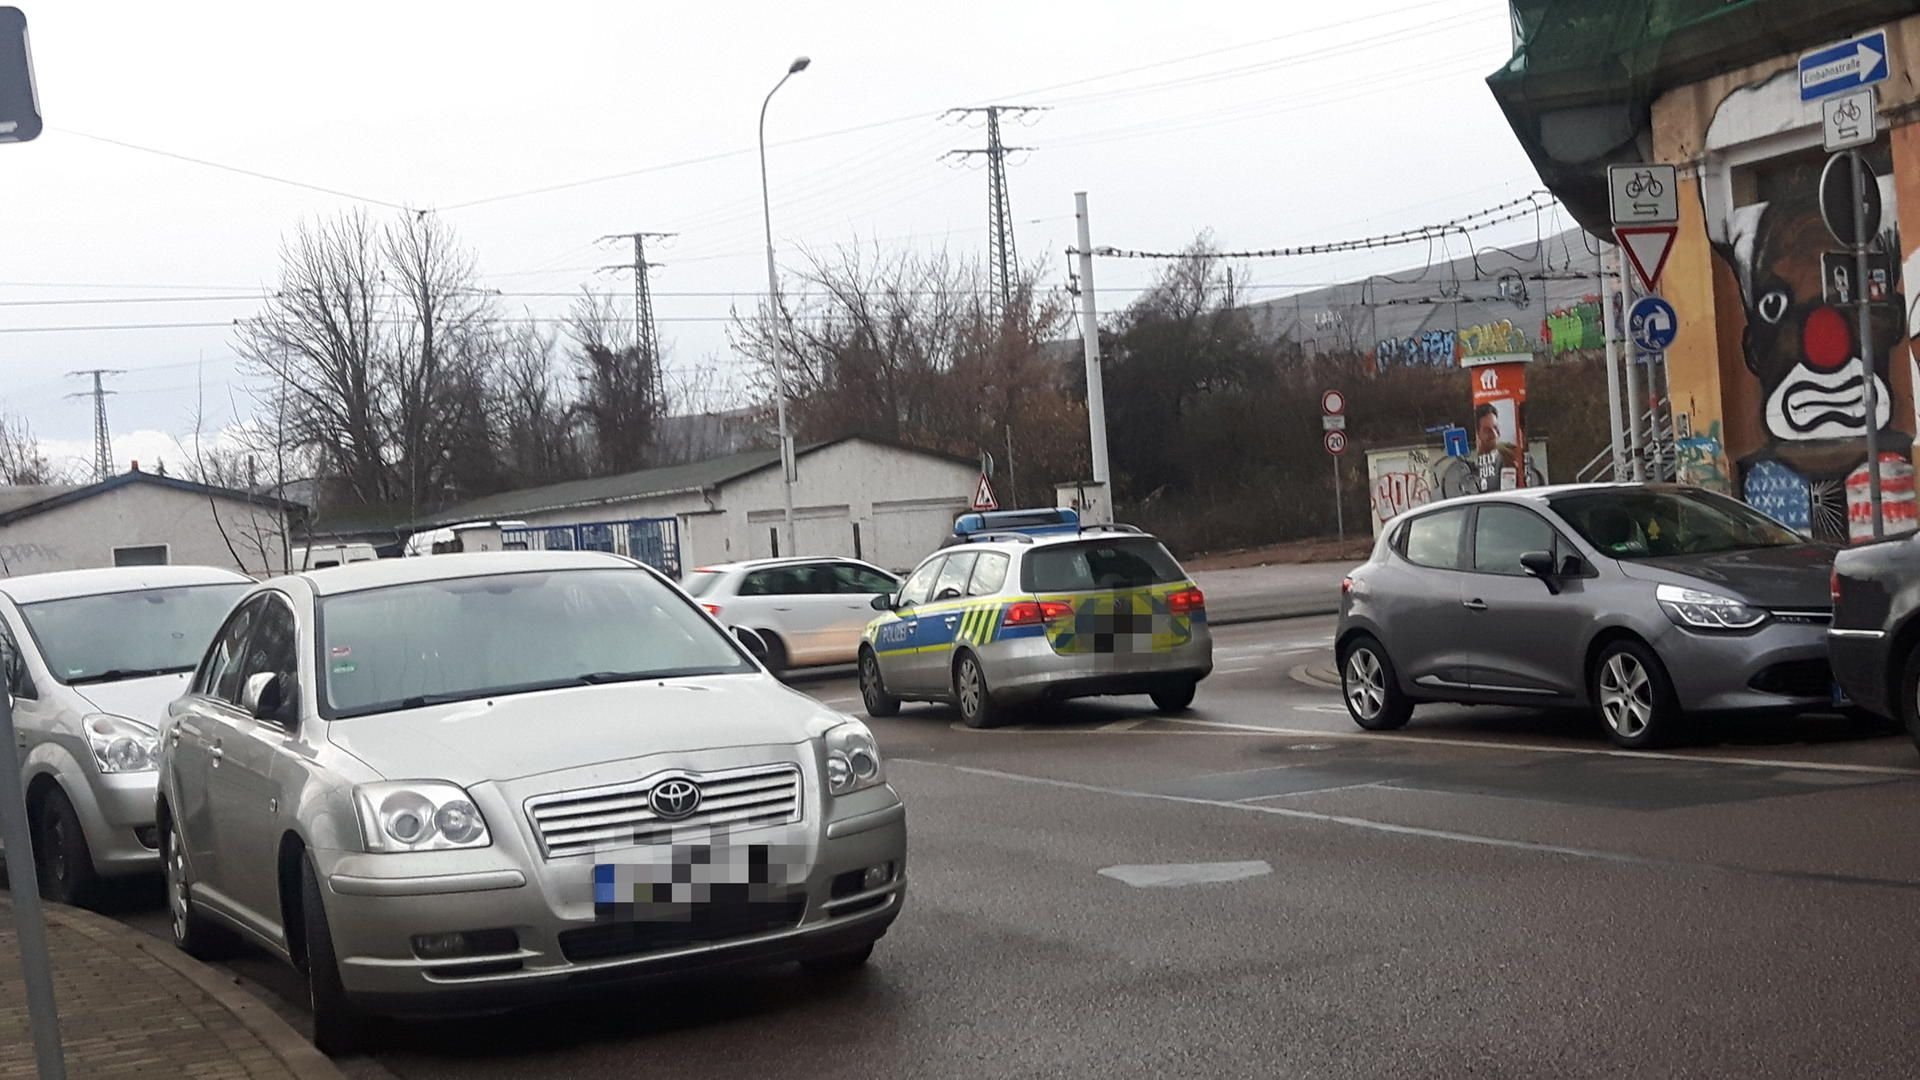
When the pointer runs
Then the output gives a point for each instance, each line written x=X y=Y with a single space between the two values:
x=991 y=537
x=1110 y=526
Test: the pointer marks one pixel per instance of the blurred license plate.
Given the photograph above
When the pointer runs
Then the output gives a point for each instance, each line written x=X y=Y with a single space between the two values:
x=680 y=874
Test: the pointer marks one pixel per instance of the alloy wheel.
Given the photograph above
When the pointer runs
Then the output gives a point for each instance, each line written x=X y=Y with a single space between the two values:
x=177 y=882
x=1366 y=684
x=971 y=691
x=870 y=680
x=1626 y=695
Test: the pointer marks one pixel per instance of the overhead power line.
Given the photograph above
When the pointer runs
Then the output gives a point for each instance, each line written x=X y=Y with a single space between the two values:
x=222 y=166
x=1468 y=223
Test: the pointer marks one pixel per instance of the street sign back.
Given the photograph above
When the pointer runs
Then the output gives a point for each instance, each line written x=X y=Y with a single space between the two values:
x=1849 y=65
x=1647 y=248
x=19 y=102
x=1849 y=121
x=1644 y=194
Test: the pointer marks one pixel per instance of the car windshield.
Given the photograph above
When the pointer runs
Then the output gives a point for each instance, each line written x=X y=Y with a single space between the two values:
x=1132 y=563
x=1647 y=524
x=409 y=646
x=129 y=635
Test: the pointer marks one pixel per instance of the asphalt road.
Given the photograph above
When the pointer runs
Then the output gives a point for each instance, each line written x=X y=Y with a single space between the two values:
x=1490 y=893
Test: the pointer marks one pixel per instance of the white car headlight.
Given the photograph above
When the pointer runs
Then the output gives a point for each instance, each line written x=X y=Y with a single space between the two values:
x=1697 y=609
x=419 y=815
x=853 y=759
x=121 y=745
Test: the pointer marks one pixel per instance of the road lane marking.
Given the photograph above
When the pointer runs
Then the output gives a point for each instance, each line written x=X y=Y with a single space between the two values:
x=1320 y=790
x=1484 y=744
x=1174 y=875
x=1124 y=725
x=840 y=702
x=1422 y=832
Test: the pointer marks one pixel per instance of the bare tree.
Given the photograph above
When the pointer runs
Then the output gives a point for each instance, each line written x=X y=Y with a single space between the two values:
x=435 y=371
x=21 y=460
x=616 y=384
x=533 y=411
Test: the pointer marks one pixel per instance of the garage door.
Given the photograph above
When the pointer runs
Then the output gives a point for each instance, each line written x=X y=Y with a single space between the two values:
x=906 y=532
x=817 y=530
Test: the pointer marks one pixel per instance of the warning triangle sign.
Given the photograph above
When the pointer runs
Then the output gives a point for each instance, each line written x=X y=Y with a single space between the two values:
x=983 y=495
x=1647 y=248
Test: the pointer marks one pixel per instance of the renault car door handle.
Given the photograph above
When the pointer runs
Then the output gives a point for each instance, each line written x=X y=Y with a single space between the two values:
x=783 y=609
x=1474 y=605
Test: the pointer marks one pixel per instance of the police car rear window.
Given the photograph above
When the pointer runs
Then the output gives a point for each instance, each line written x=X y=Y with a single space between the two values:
x=1132 y=563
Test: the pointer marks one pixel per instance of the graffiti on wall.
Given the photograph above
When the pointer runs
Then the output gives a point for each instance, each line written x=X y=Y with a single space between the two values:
x=1432 y=348
x=1701 y=460
x=1808 y=467
x=20 y=558
x=1493 y=339
x=1575 y=327
x=1407 y=478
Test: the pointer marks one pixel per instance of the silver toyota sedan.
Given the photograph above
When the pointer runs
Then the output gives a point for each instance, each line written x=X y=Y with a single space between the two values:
x=459 y=783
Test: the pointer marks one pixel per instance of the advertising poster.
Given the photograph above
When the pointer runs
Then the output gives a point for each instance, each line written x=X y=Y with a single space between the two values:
x=1498 y=431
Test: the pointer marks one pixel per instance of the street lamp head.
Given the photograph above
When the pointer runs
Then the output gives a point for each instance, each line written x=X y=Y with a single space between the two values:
x=799 y=65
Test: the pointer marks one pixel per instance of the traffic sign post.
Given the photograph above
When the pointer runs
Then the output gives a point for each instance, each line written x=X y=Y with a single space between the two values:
x=1847 y=66
x=1652 y=324
x=1333 y=420
x=1849 y=121
x=983 y=495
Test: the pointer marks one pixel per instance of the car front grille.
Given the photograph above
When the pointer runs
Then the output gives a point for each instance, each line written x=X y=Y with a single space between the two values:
x=1802 y=617
x=579 y=822
x=1795 y=678
x=704 y=924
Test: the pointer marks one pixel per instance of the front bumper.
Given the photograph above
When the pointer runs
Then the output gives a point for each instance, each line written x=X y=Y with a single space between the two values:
x=1860 y=661
x=1780 y=667
x=1025 y=669
x=377 y=904
x=116 y=813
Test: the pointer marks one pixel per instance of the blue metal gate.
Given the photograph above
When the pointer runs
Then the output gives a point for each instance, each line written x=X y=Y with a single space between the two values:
x=654 y=541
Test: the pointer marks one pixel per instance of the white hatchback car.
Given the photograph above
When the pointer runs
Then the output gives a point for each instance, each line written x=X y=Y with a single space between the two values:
x=810 y=612
x=92 y=659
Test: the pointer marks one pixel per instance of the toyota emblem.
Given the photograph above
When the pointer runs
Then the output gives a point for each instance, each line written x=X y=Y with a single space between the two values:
x=674 y=799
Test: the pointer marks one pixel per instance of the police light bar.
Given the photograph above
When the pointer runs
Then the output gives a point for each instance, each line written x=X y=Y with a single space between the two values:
x=1033 y=522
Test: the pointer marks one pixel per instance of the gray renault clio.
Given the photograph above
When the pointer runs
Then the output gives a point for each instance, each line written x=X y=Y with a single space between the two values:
x=1642 y=602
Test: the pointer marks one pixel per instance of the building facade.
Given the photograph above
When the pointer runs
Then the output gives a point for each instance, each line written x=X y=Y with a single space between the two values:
x=140 y=519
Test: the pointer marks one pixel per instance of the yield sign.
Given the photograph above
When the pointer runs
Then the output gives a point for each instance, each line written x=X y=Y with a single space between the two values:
x=983 y=495
x=1647 y=248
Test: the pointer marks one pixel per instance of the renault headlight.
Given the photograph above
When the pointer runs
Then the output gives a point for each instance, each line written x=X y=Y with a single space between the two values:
x=121 y=745
x=1697 y=609
x=419 y=815
x=853 y=760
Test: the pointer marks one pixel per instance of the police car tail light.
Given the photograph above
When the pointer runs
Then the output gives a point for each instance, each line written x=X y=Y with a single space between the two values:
x=1187 y=602
x=1035 y=612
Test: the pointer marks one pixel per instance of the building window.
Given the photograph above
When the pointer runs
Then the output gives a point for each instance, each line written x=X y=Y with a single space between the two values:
x=143 y=555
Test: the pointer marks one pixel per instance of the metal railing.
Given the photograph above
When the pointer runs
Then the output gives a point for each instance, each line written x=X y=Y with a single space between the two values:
x=654 y=541
x=1662 y=455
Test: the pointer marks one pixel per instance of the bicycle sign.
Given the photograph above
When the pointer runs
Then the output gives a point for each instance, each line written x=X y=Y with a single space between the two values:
x=1849 y=121
x=1643 y=194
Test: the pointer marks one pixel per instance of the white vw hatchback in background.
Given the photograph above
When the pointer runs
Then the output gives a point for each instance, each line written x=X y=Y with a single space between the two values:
x=92 y=658
x=466 y=782
x=810 y=612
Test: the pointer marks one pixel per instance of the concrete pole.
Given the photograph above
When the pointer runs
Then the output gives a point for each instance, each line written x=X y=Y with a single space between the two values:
x=1090 y=333
x=29 y=922
x=1616 y=433
x=774 y=309
x=1634 y=412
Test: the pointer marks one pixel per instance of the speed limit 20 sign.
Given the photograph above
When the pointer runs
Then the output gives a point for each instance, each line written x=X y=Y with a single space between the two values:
x=1335 y=442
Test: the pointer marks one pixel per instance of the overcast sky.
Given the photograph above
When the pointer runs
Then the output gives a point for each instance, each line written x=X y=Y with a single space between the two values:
x=1300 y=123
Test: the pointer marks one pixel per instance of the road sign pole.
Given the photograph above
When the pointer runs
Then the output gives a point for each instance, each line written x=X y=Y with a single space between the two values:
x=1871 y=392
x=1610 y=329
x=1339 y=513
x=1090 y=336
x=1638 y=447
x=29 y=922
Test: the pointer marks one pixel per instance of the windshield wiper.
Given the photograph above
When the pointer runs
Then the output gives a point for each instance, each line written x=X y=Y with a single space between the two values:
x=117 y=674
x=597 y=678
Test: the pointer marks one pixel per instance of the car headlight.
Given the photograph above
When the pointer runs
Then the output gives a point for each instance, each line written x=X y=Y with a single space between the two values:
x=1697 y=609
x=853 y=760
x=121 y=745
x=419 y=815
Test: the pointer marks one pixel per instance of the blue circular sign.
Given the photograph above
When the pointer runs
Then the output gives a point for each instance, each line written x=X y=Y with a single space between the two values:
x=1652 y=324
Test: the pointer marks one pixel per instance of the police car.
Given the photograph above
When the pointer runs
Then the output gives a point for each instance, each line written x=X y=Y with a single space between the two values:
x=1034 y=605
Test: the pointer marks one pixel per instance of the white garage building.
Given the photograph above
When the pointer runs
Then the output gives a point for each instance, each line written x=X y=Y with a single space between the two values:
x=141 y=519
x=878 y=501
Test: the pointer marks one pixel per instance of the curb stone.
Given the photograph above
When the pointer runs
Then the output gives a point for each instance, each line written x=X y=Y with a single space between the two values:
x=295 y=1052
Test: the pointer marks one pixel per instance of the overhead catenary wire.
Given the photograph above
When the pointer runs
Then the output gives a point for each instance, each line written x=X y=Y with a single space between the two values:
x=1467 y=223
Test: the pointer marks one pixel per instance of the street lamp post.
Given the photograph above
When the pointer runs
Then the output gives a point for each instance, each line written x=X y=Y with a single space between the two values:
x=774 y=307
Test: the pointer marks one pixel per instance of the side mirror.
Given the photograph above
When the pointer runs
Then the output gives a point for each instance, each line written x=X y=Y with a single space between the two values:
x=1573 y=566
x=1541 y=565
x=883 y=602
x=755 y=644
x=263 y=695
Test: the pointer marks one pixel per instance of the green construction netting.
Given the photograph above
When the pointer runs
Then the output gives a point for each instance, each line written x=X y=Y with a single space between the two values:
x=1584 y=73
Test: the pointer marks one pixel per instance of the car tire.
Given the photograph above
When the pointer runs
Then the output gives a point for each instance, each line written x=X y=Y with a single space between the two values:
x=776 y=658
x=1633 y=696
x=840 y=963
x=1175 y=697
x=62 y=860
x=873 y=689
x=193 y=934
x=339 y=1027
x=972 y=694
x=1907 y=708
x=1371 y=688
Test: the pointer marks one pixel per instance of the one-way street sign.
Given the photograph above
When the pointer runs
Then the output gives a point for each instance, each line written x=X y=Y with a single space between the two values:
x=1849 y=65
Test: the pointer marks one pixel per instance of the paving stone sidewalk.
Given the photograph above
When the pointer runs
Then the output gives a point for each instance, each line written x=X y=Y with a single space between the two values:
x=132 y=1005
